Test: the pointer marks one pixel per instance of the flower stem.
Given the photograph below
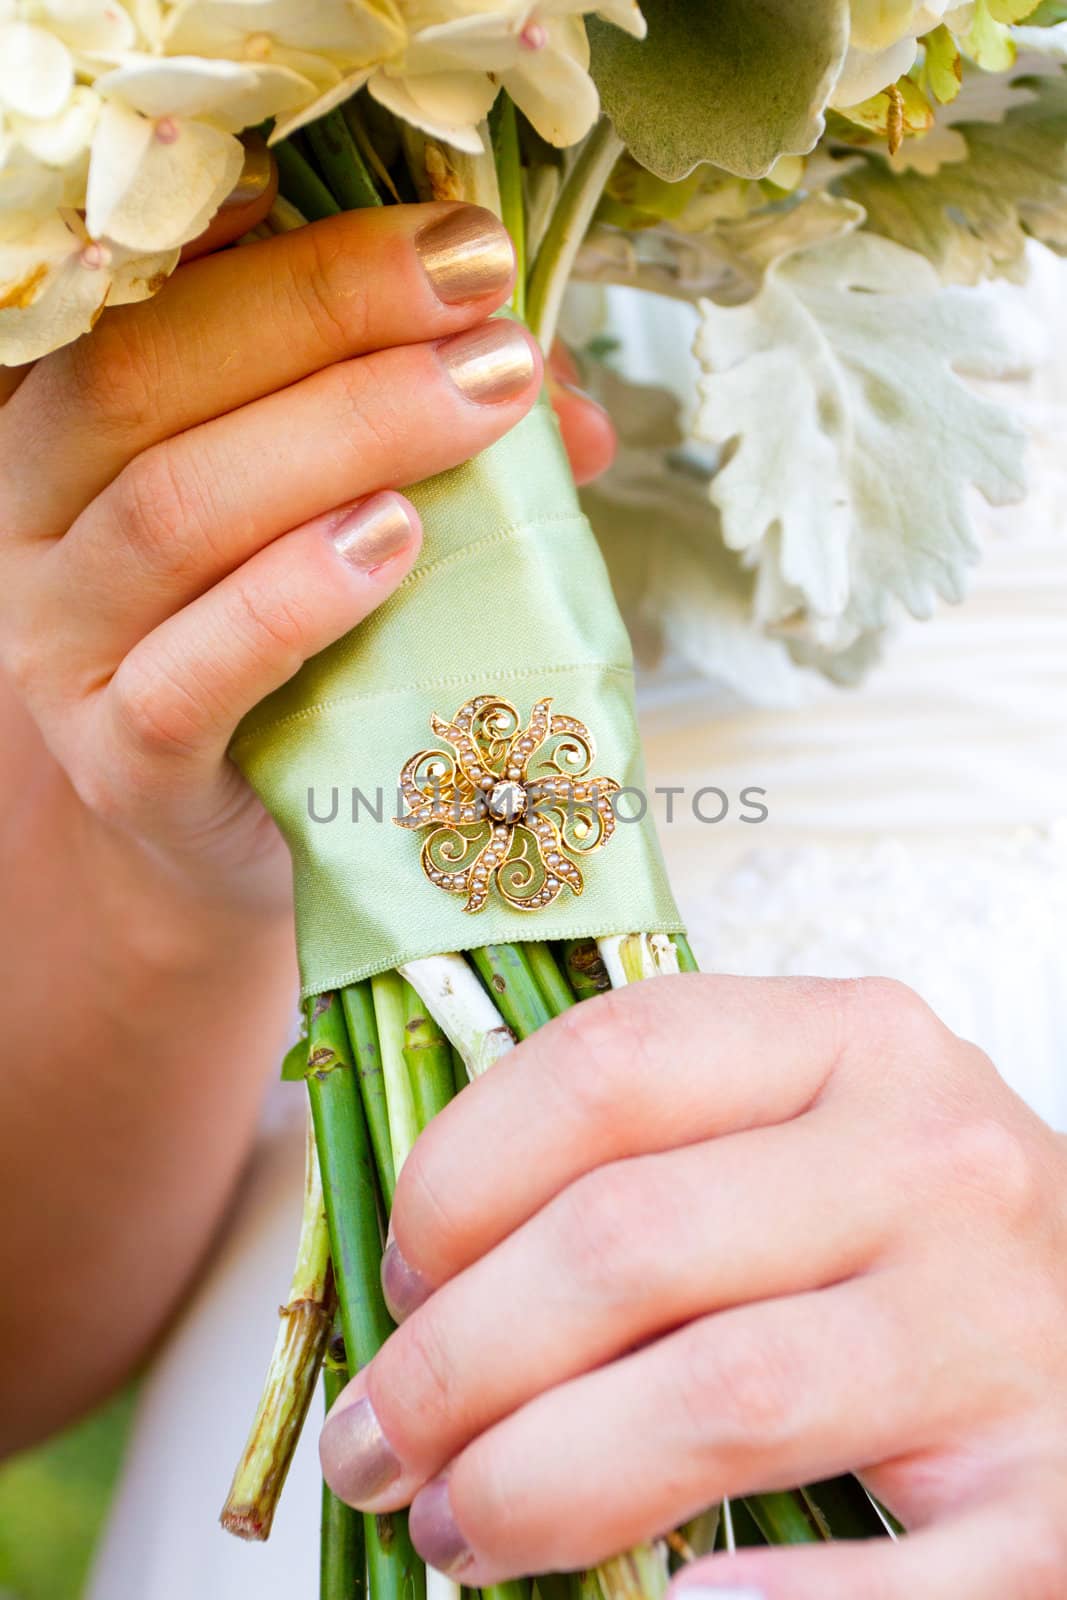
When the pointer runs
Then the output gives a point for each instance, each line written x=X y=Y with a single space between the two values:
x=585 y=968
x=428 y=1056
x=557 y=992
x=505 y=971
x=570 y=222
x=301 y=184
x=342 y=1553
x=470 y=1020
x=388 y=991
x=351 y=1197
x=504 y=129
x=294 y=1366
x=340 y=163
x=358 y=1003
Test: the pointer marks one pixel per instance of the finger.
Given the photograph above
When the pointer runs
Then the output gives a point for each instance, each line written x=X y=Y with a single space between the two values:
x=749 y=1400
x=643 y=1070
x=588 y=431
x=195 y=507
x=988 y=1553
x=245 y=207
x=167 y=719
x=236 y=326
x=633 y=1250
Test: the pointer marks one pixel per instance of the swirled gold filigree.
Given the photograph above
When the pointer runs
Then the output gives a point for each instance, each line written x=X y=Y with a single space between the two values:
x=510 y=806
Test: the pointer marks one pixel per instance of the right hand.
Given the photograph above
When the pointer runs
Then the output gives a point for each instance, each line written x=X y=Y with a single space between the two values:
x=201 y=494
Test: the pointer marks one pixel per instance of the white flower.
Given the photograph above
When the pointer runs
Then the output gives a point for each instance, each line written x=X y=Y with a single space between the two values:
x=458 y=54
x=164 y=156
x=884 y=42
x=55 y=281
x=322 y=40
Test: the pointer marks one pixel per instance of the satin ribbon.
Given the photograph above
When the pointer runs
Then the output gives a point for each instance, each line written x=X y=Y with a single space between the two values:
x=510 y=596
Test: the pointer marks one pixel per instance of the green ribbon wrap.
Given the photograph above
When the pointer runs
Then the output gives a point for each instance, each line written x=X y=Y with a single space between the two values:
x=510 y=596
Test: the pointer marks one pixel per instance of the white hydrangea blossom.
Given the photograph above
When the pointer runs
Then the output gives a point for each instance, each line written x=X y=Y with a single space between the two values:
x=118 y=118
x=884 y=41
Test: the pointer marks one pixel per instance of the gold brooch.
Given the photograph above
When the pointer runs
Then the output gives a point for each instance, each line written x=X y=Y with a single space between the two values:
x=510 y=805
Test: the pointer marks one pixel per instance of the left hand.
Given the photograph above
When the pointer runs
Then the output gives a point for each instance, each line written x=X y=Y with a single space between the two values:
x=711 y=1236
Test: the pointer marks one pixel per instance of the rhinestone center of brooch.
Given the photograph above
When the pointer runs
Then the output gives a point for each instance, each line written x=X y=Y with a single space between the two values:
x=507 y=802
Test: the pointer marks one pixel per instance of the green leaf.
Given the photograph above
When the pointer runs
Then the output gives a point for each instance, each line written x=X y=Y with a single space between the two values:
x=942 y=70
x=988 y=42
x=850 y=440
x=972 y=218
x=295 y=1063
x=738 y=83
x=1010 y=11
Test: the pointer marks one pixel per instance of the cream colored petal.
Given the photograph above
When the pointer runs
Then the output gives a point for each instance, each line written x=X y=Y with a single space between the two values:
x=233 y=95
x=557 y=94
x=47 y=297
x=352 y=32
x=60 y=140
x=865 y=74
x=151 y=194
x=447 y=106
x=137 y=277
x=36 y=71
x=335 y=94
x=92 y=24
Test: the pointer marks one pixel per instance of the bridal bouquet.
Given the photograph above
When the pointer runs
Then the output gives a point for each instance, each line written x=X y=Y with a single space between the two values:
x=817 y=181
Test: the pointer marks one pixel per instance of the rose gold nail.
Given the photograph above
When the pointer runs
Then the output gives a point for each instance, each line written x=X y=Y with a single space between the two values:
x=257 y=174
x=466 y=254
x=369 y=534
x=489 y=364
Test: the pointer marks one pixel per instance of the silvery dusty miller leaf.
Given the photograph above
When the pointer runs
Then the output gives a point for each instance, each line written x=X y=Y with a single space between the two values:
x=850 y=438
x=971 y=218
x=734 y=82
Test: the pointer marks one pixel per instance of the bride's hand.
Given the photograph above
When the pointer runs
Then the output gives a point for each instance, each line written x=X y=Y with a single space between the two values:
x=201 y=494
x=710 y=1236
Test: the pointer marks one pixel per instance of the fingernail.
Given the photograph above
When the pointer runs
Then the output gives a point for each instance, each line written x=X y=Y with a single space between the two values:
x=369 y=534
x=405 y=1289
x=257 y=174
x=489 y=364
x=465 y=254
x=433 y=1530
x=356 y=1458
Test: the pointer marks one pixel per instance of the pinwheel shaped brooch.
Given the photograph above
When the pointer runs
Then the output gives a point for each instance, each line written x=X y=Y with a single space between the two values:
x=510 y=805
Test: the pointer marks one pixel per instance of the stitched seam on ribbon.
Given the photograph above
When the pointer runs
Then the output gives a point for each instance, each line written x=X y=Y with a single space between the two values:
x=417 y=953
x=513 y=531
x=509 y=674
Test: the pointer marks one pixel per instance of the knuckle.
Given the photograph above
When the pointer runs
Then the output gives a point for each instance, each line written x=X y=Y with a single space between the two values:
x=750 y=1384
x=369 y=416
x=115 y=375
x=155 y=711
x=275 y=627
x=985 y=1159
x=160 y=510
x=329 y=285
x=604 y=1236
x=603 y=1046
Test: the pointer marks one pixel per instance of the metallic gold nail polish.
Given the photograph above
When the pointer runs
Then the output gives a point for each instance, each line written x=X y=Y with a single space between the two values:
x=466 y=254
x=357 y=1459
x=489 y=364
x=368 y=535
x=257 y=174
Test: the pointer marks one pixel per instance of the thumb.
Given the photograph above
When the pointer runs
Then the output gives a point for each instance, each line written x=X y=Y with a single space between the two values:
x=246 y=205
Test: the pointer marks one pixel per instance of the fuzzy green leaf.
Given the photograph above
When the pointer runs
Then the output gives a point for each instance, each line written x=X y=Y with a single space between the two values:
x=971 y=218
x=850 y=440
x=738 y=83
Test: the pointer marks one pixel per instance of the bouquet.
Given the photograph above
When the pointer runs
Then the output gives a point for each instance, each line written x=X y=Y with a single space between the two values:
x=824 y=185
